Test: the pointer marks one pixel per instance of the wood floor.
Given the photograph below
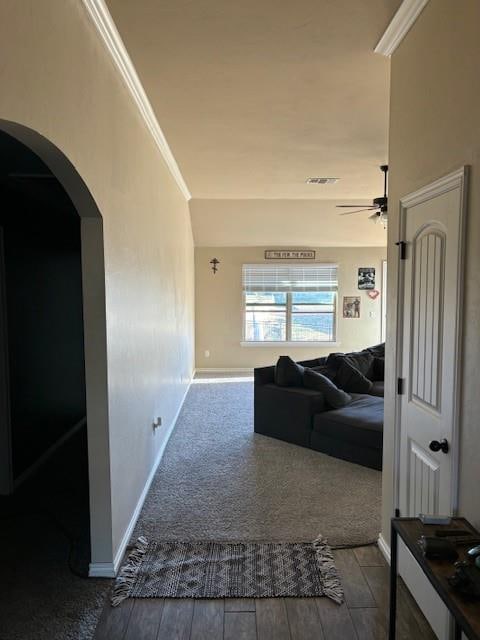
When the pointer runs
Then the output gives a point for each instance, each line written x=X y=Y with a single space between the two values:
x=364 y=615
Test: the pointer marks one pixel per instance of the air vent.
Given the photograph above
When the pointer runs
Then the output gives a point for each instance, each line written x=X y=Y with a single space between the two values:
x=321 y=180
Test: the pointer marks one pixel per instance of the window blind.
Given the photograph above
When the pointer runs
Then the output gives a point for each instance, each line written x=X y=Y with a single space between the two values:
x=289 y=277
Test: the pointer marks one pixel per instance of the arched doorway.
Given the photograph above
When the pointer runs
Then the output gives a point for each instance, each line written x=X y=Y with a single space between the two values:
x=86 y=221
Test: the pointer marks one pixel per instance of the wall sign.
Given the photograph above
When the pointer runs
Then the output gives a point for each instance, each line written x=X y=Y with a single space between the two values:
x=289 y=255
x=366 y=278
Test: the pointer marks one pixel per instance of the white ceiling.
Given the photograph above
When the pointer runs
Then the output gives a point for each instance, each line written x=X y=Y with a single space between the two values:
x=256 y=96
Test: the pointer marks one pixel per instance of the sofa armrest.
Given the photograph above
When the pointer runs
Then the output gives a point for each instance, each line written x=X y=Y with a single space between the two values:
x=286 y=412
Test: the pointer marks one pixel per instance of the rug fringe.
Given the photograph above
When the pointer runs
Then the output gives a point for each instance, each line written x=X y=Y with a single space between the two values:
x=331 y=580
x=126 y=578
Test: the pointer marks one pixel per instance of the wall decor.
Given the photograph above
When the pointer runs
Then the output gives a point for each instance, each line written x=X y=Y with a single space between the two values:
x=373 y=295
x=351 y=306
x=214 y=262
x=289 y=255
x=366 y=278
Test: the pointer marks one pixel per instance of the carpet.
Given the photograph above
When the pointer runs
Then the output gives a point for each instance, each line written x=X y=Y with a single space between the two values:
x=228 y=570
x=40 y=597
x=220 y=481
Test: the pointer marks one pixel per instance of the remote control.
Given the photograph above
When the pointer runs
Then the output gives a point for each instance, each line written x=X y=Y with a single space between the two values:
x=474 y=551
x=427 y=518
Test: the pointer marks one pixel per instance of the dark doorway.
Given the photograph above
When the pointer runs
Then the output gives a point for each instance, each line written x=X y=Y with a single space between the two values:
x=42 y=285
x=43 y=381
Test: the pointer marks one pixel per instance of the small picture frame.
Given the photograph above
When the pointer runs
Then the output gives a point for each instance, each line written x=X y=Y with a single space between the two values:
x=366 y=278
x=351 y=306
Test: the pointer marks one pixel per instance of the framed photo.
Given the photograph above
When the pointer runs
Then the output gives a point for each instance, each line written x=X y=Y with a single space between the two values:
x=351 y=306
x=366 y=278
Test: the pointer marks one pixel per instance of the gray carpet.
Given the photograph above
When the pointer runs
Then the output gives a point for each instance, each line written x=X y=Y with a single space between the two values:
x=40 y=598
x=219 y=481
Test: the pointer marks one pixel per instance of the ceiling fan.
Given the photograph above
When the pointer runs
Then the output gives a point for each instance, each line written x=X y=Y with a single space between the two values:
x=379 y=205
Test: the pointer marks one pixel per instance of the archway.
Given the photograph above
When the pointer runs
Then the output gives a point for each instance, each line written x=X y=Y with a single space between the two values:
x=95 y=350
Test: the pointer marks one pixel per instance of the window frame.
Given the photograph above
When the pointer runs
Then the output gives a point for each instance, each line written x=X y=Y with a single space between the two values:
x=288 y=321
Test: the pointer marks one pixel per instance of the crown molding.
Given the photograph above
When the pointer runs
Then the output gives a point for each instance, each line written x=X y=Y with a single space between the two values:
x=106 y=29
x=400 y=25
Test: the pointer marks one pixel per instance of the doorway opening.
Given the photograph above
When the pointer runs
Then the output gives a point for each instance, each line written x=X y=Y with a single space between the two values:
x=54 y=437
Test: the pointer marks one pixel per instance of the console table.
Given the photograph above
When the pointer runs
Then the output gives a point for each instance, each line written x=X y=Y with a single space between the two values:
x=466 y=613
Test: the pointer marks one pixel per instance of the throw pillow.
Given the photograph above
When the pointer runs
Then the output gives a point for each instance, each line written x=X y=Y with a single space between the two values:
x=361 y=360
x=334 y=396
x=288 y=373
x=351 y=379
x=324 y=370
x=378 y=350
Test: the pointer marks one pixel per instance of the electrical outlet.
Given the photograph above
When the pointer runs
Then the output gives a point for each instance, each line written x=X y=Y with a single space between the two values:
x=207 y=353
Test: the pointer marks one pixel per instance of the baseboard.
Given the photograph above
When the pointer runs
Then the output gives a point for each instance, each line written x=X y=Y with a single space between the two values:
x=231 y=370
x=110 y=569
x=384 y=548
x=49 y=453
x=101 y=570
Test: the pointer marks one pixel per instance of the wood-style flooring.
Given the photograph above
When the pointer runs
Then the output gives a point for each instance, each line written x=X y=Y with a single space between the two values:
x=363 y=616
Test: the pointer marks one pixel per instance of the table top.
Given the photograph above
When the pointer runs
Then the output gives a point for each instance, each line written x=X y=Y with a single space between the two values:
x=467 y=612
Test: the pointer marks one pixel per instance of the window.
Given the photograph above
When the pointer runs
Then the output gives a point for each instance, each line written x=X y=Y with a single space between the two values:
x=290 y=303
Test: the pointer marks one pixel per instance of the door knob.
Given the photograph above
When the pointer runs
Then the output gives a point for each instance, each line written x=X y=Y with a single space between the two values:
x=435 y=445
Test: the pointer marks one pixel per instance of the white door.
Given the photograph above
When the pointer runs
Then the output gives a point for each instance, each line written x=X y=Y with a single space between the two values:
x=432 y=226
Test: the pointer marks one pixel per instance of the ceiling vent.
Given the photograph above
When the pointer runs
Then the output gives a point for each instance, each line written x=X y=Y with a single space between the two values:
x=321 y=180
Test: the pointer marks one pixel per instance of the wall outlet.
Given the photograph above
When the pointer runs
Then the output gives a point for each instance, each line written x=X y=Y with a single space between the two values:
x=207 y=353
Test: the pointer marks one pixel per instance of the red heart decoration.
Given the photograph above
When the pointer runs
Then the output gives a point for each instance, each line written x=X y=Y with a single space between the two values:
x=373 y=294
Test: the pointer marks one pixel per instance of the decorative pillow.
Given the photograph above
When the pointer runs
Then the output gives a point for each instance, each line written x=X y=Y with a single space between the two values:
x=378 y=350
x=379 y=369
x=334 y=396
x=316 y=362
x=288 y=373
x=361 y=360
x=351 y=379
x=324 y=370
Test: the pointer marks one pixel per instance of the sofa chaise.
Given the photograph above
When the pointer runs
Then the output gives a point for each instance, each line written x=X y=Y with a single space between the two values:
x=303 y=416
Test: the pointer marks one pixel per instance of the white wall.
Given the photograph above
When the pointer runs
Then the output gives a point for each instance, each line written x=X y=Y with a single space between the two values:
x=58 y=80
x=434 y=129
x=219 y=306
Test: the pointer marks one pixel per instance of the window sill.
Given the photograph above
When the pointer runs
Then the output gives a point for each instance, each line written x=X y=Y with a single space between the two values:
x=301 y=345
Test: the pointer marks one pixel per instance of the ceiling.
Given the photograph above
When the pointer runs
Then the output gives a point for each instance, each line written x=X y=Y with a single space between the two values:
x=255 y=96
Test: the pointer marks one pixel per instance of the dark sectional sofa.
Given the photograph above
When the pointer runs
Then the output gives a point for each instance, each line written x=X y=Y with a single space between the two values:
x=302 y=416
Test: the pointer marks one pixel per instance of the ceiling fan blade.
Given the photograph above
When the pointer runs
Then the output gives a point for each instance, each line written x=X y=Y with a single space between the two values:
x=347 y=206
x=347 y=213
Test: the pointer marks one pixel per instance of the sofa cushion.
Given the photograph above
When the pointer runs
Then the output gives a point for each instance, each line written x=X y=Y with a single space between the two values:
x=334 y=396
x=361 y=360
x=379 y=368
x=377 y=389
x=351 y=379
x=377 y=350
x=316 y=362
x=288 y=373
x=360 y=422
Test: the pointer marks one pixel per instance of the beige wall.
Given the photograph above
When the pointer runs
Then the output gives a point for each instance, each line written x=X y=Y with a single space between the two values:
x=434 y=129
x=218 y=306
x=57 y=79
x=253 y=223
